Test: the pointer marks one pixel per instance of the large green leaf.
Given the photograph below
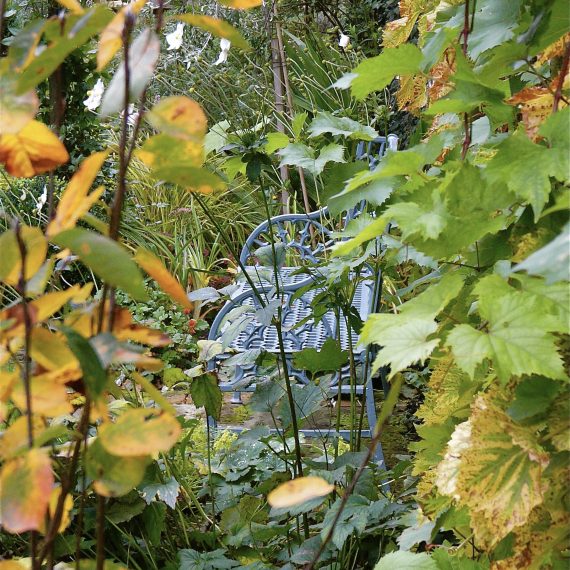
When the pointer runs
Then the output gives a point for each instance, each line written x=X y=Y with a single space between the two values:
x=307 y=398
x=517 y=336
x=326 y=122
x=375 y=73
x=353 y=519
x=106 y=258
x=76 y=31
x=297 y=154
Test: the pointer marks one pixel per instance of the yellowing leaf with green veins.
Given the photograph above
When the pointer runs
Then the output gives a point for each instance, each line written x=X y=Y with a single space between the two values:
x=32 y=150
x=155 y=268
x=10 y=258
x=25 y=486
x=75 y=201
x=215 y=26
x=111 y=39
x=500 y=475
x=241 y=4
x=139 y=432
x=298 y=491
x=72 y=5
x=179 y=117
x=113 y=475
x=17 y=110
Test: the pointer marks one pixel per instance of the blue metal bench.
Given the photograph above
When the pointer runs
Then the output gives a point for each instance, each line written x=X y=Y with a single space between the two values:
x=306 y=237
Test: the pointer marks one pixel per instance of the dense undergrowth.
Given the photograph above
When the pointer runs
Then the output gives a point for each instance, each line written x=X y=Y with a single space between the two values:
x=126 y=194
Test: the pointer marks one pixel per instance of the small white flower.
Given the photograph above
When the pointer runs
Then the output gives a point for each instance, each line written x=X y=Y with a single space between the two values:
x=132 y=115
x=41 y=200
x=95 y=95
x=174 y=39
x=343 y=41
x=225 y=50
x=23 y=195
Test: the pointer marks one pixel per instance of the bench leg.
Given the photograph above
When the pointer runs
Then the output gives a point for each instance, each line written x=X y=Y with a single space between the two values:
x=236 y=398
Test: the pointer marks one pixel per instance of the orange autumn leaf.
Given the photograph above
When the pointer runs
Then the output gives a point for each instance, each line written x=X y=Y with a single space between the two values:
x=155 y=268
x=34 y=150
x=75 y=201
x=536 y=105
x=124 y=328
x=112 y=36
x=26 y=483
x=140 y=432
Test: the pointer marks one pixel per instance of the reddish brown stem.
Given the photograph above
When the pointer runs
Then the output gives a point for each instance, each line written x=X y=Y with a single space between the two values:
x=563 y=72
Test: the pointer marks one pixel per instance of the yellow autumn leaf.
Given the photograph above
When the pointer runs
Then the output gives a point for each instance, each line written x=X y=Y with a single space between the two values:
x=52 y=506
x=11 y=263
x=49 y=396
x=72 y=5
x=33 y=150
x=112 y=36
x=140 y=432
x=298 y=491
x=50 y=350
x=179 y=117
x=13 y=565
x=155 y=268
x=241 y=4
x=15 y=438
x=7 y=382
x=26 y=483
x=75 y=201
x=124 y=328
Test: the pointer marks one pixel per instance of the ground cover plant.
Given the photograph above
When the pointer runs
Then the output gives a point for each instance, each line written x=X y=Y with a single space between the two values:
x=141 y=142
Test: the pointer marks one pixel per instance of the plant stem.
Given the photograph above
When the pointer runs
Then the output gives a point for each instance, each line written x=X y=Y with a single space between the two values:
x=563 y=72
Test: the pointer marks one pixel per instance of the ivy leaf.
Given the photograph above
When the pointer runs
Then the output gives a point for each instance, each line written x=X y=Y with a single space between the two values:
x=329 y=359
x=206 y=393
x=500 y=474
x=404 y=337
x=550 y=261
x=375 y=73
x=525 y=168
x=533 y=396
x=326 y=122
x=517 y=338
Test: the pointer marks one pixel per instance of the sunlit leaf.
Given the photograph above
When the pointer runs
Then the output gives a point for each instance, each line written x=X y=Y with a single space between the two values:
x=17 y=110
x=25 y=486
x=124 y=328
x=113 y=475
x=164 y=151
x=215 y=26
x=111 y=38
x=49 y=396
x=403 y=560
x=33 y=150
x=75 y=201
x=298 y=491
x=139 y=432
x=106 y=258
x=143 y=55
x=77 y=30
x=179 y=117
x=155 y=268
x=72 y=5
x=50 y=350
x=10 y=260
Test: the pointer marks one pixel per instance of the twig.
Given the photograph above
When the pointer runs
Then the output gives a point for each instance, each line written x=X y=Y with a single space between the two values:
x=384 y=415
x=563 y=72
